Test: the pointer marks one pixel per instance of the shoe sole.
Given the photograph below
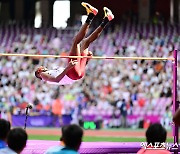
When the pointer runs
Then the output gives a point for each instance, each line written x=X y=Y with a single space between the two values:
x=89 y=7
x=108 y=13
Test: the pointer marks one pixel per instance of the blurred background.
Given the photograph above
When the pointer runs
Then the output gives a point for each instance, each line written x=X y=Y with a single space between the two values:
x=113 y=93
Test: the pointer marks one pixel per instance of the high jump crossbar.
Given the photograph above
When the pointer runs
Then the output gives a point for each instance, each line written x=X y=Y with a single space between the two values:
x=90 y=57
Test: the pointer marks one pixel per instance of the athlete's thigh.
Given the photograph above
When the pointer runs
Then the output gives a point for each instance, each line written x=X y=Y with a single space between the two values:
x=75 y=51
x=84 y=45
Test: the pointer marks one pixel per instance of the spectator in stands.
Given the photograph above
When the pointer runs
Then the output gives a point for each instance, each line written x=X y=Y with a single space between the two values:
x=123 y=110
x=5 y=113
x=167 y=118
x=57 y=110
x=155 y=134
x=70 y=141
x=5 y=127
x=16 y=140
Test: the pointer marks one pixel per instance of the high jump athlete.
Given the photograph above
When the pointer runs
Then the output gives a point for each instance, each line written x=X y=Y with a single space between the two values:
x=75 y=69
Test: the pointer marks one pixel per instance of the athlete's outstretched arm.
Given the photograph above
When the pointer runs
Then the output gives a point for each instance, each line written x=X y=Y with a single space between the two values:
x=48 y=77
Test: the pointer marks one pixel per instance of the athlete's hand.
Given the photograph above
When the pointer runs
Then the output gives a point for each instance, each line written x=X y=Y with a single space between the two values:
x=72 y=63
x=90 y=54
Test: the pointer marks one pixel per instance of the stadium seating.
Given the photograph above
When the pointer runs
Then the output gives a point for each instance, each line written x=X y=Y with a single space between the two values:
x=148 y=80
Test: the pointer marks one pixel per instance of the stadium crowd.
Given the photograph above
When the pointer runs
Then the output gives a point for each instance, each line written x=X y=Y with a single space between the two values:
x=107 y=84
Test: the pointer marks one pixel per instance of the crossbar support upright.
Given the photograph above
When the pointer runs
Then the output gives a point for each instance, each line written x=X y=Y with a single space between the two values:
x=175 y=102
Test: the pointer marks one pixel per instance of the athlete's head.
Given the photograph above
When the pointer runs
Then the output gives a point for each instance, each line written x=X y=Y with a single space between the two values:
x=39 y=71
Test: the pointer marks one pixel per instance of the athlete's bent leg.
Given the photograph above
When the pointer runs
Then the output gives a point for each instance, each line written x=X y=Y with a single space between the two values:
x=78 y=72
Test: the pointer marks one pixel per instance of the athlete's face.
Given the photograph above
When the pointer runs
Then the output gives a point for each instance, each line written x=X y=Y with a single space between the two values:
x=39 y=71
